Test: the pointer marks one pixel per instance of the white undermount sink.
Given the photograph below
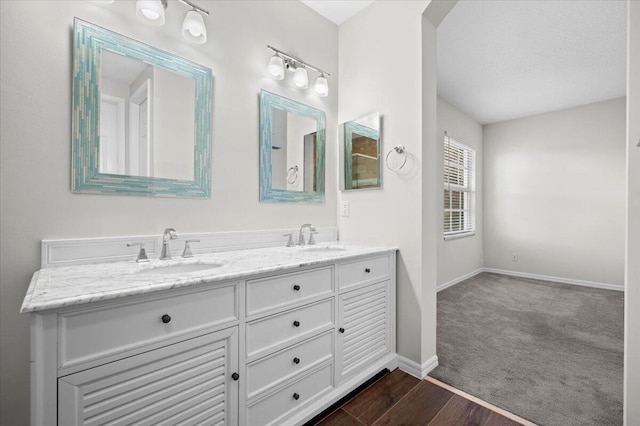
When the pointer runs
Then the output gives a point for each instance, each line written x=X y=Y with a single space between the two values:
x=322 y=248
x=179 y=269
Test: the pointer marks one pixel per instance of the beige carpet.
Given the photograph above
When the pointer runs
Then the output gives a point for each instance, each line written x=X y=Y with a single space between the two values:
x=551 y=353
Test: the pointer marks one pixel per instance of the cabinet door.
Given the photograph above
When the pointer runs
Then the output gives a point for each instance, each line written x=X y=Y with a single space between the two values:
x=364 y=321
x=186 y=383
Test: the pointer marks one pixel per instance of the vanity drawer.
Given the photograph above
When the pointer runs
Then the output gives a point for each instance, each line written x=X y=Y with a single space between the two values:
x=283 y=365
x=272 y=408
x=363 y=271
x=272 y=332
x=90 y=334
x=284 y=290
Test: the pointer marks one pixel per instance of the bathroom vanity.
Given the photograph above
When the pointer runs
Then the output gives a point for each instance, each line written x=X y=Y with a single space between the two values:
x=249 y=337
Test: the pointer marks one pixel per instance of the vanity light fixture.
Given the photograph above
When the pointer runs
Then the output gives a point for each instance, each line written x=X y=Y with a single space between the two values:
x=321 y=86
x=276 y=67
x=151 y=11
x=193 y=28
x=281 y=61
x=301 y=78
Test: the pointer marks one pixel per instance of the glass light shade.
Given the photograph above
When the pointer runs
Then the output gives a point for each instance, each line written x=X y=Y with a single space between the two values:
x=150 y=11
x=193 y=28
x=300 y=78
x=276 y=67
x=322 y=86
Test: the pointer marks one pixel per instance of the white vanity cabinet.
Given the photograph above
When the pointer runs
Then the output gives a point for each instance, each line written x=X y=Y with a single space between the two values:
x=290 y=343
x=264 y=348
x=188 y=382
x=147 y=360
x=366 y=313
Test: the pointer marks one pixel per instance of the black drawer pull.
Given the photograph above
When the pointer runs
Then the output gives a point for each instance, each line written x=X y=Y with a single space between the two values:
x=235 y=376
x=341 y=330
x=296 y=287
x=296 y=396
x=166 y=319
x=296 y=323
x=296 y=360
x=367 y=270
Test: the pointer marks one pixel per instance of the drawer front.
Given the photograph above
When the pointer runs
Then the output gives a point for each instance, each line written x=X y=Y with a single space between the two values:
x=286 y=290
x=363 y=271
x=283 y=365
x=271 y=409
x=90 y=334
x=270 y=333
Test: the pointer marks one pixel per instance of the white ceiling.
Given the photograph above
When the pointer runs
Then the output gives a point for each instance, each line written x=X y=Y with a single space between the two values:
x=337 y=11
x=499 y=60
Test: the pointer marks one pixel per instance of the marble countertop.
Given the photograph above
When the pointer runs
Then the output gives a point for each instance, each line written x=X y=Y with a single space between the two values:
x=58 y=287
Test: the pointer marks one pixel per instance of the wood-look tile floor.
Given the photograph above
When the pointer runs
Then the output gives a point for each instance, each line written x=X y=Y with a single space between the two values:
x=400 y=399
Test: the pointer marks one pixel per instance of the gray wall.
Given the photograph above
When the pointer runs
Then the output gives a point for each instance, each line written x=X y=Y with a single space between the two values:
x=36 y=203
x=461 y=256
x=372 y=80
x=554 y=193
x=632 y=272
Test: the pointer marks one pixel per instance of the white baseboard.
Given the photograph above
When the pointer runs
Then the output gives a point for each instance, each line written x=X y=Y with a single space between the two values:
x=593 y=284
x=572 y=281
x=415 y=369
x=459 y=279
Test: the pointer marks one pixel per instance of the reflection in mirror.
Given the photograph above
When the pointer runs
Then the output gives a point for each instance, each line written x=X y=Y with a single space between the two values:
x=292 y=138
x=293 y=148
x=362 y=152
x=146 y=119
x=141 y=118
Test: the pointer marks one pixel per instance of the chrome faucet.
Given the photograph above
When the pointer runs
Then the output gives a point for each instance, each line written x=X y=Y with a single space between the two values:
x=312 y=230
x=169 y=234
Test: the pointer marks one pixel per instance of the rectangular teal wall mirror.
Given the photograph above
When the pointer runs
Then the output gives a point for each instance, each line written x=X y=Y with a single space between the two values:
x=292 y=145
x=141 y=118
x=361 y=141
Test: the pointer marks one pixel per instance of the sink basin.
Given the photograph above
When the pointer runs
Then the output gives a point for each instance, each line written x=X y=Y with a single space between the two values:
x=322 y=248
x=179 y=269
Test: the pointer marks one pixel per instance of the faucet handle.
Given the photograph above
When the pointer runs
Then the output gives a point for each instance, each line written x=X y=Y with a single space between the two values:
x=187 y=248
x=311 y=240
x=142 y=254
x=290 y=243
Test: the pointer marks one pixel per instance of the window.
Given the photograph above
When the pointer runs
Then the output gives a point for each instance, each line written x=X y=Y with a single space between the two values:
x=459 y=189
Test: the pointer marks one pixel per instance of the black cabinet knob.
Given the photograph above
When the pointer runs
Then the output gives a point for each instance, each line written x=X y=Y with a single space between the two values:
x=367 y=270
x=296 y=396
x=296 y=360
x=235 y=376
x=296 y=323
x=296 y=287
x=166 y=319
x=341 y=330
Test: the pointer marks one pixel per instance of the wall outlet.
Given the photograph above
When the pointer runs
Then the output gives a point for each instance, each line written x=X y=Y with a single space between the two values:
x=514 y=257
x=346 y=209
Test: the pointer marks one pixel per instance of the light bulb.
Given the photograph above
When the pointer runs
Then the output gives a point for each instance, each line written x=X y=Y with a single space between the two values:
x=150 y=11
x=193 y=28
x=322 y=86
x=276 y=67
x=300 y=79
x=150 y=14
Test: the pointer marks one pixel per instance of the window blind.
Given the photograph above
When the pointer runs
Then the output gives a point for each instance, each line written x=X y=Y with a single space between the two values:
x=459 y=188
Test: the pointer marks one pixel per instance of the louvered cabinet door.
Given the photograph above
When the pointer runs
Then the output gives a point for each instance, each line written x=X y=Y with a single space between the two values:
x=188 y=383
x=364 y=333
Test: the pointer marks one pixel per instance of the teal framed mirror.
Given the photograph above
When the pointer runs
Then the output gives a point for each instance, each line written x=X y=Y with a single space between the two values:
x=361 y=140
x=141 y=118
x=292 y=151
